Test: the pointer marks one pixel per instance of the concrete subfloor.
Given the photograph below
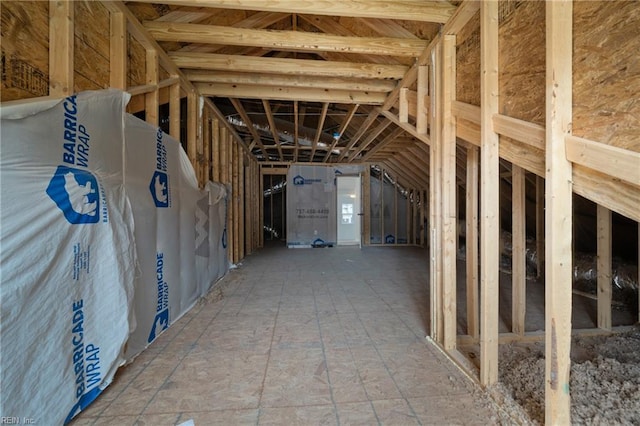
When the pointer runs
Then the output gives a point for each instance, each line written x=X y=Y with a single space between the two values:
x=300 y=336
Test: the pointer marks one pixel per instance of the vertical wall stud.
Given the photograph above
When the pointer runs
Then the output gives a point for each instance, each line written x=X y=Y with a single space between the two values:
x=558 y=213
x=449 y=191
x=118 y=51
x=604 y=267
x=489 y=202
x=518 y=269
x=61 y=45
x=473 y=321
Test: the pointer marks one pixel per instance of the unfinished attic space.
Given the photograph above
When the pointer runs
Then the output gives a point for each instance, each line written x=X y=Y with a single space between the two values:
x=332 y=212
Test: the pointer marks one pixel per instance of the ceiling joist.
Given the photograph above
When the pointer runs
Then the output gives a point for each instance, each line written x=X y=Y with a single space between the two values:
x=411 y=10
x=255 y=78
x=215 y=61
x=284 y=40
x=289 y=93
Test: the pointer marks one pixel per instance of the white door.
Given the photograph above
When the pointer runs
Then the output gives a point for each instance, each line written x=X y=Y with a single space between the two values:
x=348 y=210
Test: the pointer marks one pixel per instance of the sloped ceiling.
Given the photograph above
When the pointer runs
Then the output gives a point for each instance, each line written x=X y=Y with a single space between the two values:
x=303 y=80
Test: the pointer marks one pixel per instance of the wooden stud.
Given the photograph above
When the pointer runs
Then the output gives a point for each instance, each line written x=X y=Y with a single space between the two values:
x=415 y=217
x=604 y=248
x=558 y=214
x=435 y=196
x=473 y=324
x=423 y=217
x=296 y=131
x=395 y=210
x=366 y=205
x=207 y=141
x=382 y=183
x=489 y=196
x=260 y=200
x=192 y=129
x=539 y=226
x=236 y=201
x=224 y=173
x=151 y=99
x=61 y=48
x=422 y=112
x=403 y=107
x=518 y=261
x=449 y=190
x=174 y=111
x=118 y=51
x=242 y=223
x=215 y=149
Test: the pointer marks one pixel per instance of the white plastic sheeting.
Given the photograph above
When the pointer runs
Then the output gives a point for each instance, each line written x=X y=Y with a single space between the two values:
x=68 y=258
x=103 y=227
x=164 y=188
x=211 y=236
x=311 y=204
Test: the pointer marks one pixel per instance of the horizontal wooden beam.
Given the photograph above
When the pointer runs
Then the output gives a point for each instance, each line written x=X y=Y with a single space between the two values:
x=274 y=170
x=146 y=88
x=520 y=130
x=364 y=85
x=289 y=93
x=410 y=10
x=611 y=160
x=214 y=61
x=298 y=41
x=467 y=111
x=468 y=131
x=608 y=191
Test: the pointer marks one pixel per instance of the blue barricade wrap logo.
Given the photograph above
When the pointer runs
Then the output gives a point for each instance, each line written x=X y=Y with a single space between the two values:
x=161 y=321
x=299 y=180
x=73 y=187
x=76 y=193
x=159 y=186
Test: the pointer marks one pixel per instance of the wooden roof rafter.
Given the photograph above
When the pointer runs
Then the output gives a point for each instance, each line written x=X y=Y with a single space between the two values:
x=370 y=138
x=345 y=123
x=395 y=133
x=237 y=104
x=321 y=120
x=272 y=127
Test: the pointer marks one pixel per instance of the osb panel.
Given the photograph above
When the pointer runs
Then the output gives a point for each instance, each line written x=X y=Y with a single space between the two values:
x=91 y=50
x=136 y=72
x=91 y=66
x=25 y=49
x=92 y=26
x=606 y=72
x=468 y=62
x=522 y=60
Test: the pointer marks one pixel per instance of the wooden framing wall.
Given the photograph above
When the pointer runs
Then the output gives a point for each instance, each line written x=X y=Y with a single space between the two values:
x=495 y=121
x=62 y=49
